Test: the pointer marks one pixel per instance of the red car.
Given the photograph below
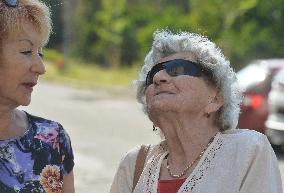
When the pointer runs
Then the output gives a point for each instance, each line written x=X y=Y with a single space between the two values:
x=256 y=80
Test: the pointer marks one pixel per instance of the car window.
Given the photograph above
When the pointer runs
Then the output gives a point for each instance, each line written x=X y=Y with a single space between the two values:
x=279 y=77
x=251 y=75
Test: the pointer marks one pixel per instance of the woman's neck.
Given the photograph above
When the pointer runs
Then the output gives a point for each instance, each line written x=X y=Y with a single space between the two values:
x=12 y=123
x=186 y=136
x=6 y=117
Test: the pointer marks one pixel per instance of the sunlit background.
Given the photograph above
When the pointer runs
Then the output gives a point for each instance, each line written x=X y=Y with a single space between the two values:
x=116 y=34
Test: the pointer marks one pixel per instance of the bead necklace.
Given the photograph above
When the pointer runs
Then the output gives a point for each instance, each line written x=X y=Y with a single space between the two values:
x=191 y=163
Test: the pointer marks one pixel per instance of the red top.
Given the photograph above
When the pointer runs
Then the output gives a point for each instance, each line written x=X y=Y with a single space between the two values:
x=169 y=186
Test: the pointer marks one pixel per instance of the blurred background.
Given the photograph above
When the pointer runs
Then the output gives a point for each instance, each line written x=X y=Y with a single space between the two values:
x=98 y=46
x=116 y=34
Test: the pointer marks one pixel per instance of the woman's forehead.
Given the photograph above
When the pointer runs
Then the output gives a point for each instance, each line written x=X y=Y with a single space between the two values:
x=180 y=55
x=28 y=33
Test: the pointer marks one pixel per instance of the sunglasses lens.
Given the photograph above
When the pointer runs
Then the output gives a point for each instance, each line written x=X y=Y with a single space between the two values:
x=182 y=67
x=175 y=68
x=11 y=3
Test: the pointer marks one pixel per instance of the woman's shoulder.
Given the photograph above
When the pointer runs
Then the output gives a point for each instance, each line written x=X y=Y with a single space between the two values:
x=39 y=121
x=52 y=136
x=125 y=173
x=48 y=131
x=249 y=139
x=131 y=155
x=243 y=133
x=128 y=160
x=44 y=125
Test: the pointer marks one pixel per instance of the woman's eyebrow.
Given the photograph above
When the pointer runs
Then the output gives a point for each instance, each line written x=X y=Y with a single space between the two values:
x=27 y=40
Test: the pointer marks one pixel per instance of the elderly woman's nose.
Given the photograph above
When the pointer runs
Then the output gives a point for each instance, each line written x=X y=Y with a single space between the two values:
x=161 y=77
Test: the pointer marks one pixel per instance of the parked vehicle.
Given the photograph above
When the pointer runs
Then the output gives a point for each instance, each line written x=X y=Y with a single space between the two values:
x=275 y=121
x=255 y=79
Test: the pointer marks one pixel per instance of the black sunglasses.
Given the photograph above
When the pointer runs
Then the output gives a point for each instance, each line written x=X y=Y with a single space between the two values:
x=11 y=3
x=175 y=68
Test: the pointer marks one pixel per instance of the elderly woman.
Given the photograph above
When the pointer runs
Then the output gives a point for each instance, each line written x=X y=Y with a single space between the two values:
x=35 y=153
x=190 y=93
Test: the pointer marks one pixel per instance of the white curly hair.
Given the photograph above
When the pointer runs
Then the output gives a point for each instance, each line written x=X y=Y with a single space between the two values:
x=210 y=57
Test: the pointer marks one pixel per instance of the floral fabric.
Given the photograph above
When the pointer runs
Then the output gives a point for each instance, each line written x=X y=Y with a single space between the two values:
x=37 y=161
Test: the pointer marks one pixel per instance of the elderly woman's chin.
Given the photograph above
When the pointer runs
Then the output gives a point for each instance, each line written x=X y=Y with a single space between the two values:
x=163 y=105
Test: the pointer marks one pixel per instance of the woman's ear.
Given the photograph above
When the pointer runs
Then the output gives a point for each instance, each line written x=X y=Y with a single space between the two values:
x=215 y=104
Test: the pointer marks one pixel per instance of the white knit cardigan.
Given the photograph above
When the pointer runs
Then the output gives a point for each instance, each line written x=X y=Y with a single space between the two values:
x=237 y=161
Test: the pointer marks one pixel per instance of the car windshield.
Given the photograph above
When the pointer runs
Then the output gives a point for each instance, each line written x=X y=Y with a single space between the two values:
x=251 y=74
x=279 y=77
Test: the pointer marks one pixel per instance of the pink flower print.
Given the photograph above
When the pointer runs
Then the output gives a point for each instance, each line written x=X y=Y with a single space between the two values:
x=48 y=135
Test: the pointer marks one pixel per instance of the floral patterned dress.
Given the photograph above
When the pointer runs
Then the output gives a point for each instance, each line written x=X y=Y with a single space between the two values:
x=37 y=161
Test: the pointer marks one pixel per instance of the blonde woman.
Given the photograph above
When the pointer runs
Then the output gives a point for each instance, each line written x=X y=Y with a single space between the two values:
x=35 y=153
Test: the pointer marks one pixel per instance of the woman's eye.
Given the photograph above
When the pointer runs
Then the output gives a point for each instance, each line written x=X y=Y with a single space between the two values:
x=29 y=52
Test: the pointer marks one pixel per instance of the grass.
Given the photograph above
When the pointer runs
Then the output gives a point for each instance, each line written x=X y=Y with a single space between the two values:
x=83 y=75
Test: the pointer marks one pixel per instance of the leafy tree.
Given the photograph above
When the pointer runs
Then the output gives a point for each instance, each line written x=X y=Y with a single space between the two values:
x=119 y=32
x=56 y=38
x=101 y=24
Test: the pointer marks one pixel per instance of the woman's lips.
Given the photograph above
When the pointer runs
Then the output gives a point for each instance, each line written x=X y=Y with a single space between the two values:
x=29 y=85
x=163 y=92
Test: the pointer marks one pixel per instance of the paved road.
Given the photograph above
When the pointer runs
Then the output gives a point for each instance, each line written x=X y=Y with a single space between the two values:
x=102 y=126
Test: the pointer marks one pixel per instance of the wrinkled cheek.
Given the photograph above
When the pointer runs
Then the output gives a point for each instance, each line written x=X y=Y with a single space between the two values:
x=191 y=104
x=185 y=101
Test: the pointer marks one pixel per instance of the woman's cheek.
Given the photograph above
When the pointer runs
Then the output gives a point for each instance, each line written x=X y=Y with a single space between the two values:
x=149 y=93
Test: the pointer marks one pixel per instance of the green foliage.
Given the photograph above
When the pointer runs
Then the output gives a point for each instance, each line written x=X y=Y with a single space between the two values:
x=119 y=32
x=256 y=32
x=56 y=38
x=52 y=55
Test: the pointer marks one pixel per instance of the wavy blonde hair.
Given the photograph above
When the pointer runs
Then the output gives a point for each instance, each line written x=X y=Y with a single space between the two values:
x=33 y=11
